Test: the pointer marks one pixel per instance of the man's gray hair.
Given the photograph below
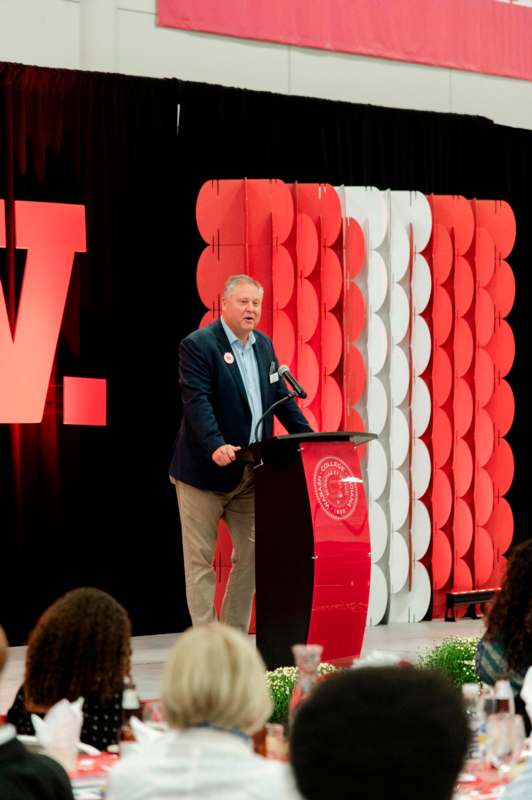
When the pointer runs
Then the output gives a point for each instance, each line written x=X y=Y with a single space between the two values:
x=233 y=281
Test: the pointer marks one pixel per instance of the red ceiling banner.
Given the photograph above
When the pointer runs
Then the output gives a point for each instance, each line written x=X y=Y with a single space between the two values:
x=488 y=36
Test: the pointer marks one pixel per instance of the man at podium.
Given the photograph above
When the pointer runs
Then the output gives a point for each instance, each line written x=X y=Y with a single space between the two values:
x=228 y=373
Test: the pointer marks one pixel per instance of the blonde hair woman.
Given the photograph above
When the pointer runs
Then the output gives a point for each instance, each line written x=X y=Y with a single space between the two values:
x=215 y=697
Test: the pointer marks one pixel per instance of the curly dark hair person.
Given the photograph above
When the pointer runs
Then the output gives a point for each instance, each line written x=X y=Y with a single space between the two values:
x=510 y=618
x=79 y=647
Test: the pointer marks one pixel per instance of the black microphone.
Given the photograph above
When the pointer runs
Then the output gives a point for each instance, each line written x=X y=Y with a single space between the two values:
x=294 y=383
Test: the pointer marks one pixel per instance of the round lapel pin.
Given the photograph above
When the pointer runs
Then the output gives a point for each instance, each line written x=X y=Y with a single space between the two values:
x=229 y=358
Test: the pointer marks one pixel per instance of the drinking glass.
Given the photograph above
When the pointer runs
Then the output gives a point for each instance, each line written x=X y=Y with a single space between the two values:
x=505 y=736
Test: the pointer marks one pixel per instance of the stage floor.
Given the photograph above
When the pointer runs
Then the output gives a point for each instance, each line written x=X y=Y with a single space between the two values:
x=150 y=652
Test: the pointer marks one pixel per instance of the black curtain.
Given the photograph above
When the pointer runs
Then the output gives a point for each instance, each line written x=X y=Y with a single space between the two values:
x=94 y=505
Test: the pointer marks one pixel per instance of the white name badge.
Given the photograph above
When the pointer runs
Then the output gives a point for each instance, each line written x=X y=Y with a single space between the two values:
x=274 y=377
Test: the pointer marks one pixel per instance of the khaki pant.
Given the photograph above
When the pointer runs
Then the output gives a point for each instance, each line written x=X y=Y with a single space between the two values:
x=200 y=511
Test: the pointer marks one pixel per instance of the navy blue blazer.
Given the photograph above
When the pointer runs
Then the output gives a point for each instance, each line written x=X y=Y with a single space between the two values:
x=216 y=410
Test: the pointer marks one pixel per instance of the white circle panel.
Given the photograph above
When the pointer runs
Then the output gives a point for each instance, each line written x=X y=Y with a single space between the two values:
x=421 y=468
x=421 y=407
x=377 y=405
x=399 y=251
x=368 y=206
x=399 y=499
x=421 y=345
x=377 y=469
x=399 y=438
x=399 y=375
x=377 y=344
x=398 y=562
x=399 y=313
x=378 y=531
x=378 y=596
x=413 y=208
x=421 y=529
x=377 y=280
x=421 y=283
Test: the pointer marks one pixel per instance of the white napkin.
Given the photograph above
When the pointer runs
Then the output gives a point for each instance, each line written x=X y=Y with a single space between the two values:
x=526 y=692
x=143 y=732
x=377 y=658
x=59 y=731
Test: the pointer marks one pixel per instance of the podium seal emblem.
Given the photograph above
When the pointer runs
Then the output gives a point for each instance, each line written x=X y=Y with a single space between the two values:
x=336 y=487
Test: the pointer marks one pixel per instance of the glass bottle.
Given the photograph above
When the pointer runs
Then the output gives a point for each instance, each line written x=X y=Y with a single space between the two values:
x=307 y=659
x=130 y=708
x=504 y=697
x=471 y=696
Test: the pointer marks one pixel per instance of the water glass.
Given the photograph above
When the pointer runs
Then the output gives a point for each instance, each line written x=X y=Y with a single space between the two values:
x=505 y=736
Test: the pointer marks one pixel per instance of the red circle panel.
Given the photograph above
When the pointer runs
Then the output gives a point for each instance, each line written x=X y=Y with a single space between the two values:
x=306 y=245
x=501 y=467
x=284 y=339
x=331 y=404
x=442 y=376
x=442 y=253
x=311 y=418
x=282 y=277
x=442 y=437
x=442 y=498
x=502 y=348
x=499 y=571
x=307 y=310
x=502 y=288
x=442 y=559
x=309 y=372
x=355 y=313
x=330 y=215
x=501 y=525
x=484 y=376
x=213 y=271
x=321 y=202
x=456 y=213
x=282 y=207
x=463 y=527
x=355 y=376
x=462 y=467
x=220 y=212
x=208 y=318
x=331 y=278
x=462 y=406
x=484 y=437
x=354 y=422
x=442 y=315
x=354 y=244
x=501 y=407
x=483 y=496
x=499 y=220
x=484 y=317
x=483 y=557
x=462 y=577
x=331 y=344
x=464 y=285
x=484 y=257
x=463 y=347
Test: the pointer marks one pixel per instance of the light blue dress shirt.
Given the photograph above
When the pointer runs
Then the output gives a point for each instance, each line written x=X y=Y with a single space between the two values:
x=249 y=370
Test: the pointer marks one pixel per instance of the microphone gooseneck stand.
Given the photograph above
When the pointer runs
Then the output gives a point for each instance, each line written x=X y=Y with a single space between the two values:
x=270 y=409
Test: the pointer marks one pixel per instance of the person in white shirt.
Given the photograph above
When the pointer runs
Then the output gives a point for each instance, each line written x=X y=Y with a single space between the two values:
x=214 y=697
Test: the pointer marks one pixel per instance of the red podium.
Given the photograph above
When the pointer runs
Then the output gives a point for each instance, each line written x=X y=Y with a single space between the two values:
x=313 y=557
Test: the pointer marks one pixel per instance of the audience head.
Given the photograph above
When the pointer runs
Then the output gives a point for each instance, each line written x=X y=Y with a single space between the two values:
x=3 y=649
x=79 y=647
x=510 y=618
x=215 y=676
x=380 y=732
